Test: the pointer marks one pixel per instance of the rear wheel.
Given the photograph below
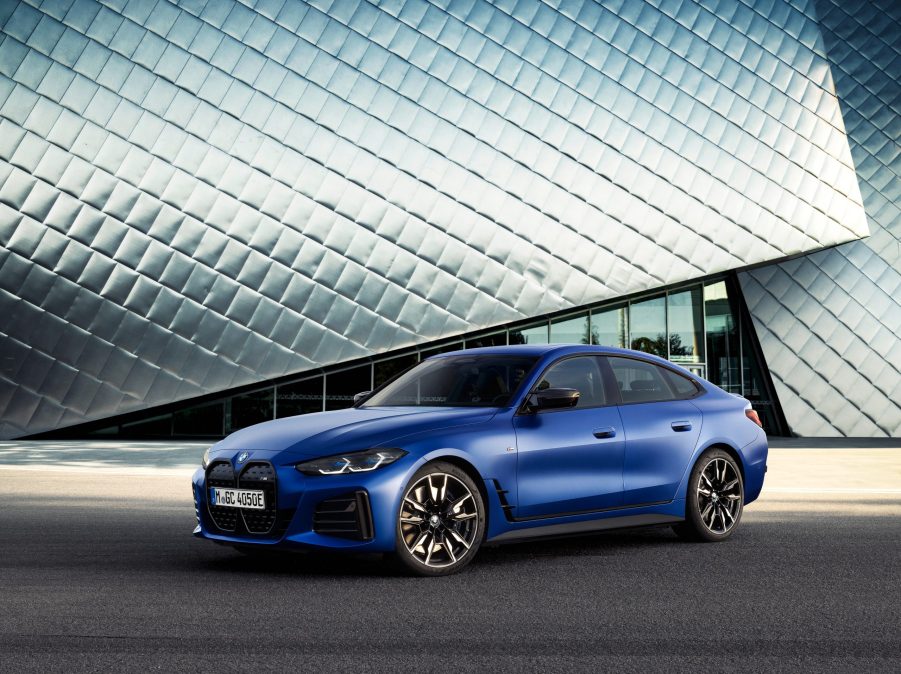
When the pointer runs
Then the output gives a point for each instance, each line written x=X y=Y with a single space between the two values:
x=715 y=498
x=441 y=521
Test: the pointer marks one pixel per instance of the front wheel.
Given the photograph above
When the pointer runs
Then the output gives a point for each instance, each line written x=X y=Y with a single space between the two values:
x=715 y=498
x=441 y=521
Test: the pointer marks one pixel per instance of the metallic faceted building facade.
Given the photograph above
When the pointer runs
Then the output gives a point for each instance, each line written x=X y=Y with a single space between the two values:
x=830 y=323
x=200 y=195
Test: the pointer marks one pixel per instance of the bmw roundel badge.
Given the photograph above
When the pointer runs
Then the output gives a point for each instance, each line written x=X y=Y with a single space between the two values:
x=242 y=457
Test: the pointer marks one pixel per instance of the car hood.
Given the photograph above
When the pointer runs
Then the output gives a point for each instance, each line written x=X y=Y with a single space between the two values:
x=325 y=433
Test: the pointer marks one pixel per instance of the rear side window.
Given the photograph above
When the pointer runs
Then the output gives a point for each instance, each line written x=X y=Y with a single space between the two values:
x=640 y=381
x=683 y=387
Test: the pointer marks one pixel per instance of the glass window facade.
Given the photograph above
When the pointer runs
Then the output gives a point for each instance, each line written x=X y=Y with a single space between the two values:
x=203 y=420
x=721 y=326
x=698 y=326
x=492 y=339
x=571 y=330
x=154 y=427
x=755 y=387
x=342 y=386
x=685 y=323
x=533 y=334
x=300 y=397
x=647 y=326
x=610 y=327
x=250 y=408
x=386 y=370
x=443 y=348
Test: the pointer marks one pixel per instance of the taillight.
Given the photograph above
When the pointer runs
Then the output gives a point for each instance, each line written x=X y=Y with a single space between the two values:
x=752 y=415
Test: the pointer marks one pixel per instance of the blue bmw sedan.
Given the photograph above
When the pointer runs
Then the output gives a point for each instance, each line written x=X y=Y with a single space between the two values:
x=488 y=446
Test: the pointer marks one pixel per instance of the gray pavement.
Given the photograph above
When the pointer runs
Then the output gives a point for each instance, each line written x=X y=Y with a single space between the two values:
x=129 y=456
x=98 y=571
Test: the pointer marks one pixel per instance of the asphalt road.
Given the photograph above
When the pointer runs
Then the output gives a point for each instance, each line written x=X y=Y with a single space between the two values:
x=98 y=571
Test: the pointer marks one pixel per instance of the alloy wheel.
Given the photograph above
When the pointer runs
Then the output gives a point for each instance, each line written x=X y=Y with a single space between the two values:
x=438 y=520
x=719 y=495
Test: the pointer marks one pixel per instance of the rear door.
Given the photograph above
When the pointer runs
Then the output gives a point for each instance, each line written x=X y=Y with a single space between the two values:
x=570 y=460
x=661 y=425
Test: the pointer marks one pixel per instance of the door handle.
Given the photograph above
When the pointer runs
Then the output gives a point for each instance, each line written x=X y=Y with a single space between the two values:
x=681 y=426
x=605 y=432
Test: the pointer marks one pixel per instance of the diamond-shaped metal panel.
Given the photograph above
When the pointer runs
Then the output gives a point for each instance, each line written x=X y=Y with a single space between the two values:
x=199 y=195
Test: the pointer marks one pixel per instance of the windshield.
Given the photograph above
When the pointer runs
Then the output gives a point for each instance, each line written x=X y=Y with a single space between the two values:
x=456 y=381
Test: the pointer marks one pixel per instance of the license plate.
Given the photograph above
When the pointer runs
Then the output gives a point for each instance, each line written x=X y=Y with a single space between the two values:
x=237 y=498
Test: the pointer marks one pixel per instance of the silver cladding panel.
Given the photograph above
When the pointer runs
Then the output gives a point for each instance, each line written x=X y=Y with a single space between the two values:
x=829 y=323
x=200 y=195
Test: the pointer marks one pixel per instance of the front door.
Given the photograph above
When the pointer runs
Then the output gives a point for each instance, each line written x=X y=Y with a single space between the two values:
x=570 y=460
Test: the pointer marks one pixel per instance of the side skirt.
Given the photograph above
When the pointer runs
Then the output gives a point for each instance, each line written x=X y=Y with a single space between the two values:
x=584 y=526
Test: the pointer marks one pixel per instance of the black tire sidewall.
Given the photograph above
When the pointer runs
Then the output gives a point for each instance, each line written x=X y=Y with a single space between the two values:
x=407 y=561
x=693 y=521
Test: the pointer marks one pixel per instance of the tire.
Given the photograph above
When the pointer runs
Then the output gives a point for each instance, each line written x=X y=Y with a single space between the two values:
x=441 y=521
x=714 y=500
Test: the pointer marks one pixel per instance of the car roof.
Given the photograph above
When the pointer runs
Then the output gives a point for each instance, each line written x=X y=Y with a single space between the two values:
x=542 y=350
x=548 y=351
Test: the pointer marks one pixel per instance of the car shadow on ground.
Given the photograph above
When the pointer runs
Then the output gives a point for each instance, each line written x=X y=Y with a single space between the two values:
x=322 y=564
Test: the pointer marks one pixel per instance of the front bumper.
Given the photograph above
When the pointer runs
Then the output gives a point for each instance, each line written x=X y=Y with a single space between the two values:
x=312 y=512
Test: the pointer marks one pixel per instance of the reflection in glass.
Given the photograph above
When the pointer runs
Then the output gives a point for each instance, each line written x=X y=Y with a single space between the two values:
x=494 y=339
x=444 y=348
x=722 y=339
x=105 y=431
x=148 y=428
x=686 y=331
x=583 y=374
x=341 y=387
x=251 y=408
x=300 y=397
x=639 y=381
x=571 y=330
x=533 y=334
x=201 y=420
x=457 y=381
x=384 y=370
x=647 y=322
x=609 y=327
x=755 y=389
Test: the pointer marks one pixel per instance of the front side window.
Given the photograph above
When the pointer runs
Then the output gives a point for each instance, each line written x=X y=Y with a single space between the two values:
x=457 y=381
x=582 y=373
x=640 y=381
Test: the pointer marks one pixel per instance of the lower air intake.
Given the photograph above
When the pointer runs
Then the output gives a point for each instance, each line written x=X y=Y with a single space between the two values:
x=345 y=516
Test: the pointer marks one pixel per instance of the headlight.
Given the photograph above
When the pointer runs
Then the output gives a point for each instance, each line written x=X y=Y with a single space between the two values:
x=205 y=461
x=353 y=462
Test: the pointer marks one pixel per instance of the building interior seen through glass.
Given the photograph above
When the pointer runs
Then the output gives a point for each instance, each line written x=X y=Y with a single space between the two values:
x=698 y=326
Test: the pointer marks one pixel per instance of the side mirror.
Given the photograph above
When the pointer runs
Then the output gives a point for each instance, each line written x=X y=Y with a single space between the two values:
x=556 y=398
x=360 y=397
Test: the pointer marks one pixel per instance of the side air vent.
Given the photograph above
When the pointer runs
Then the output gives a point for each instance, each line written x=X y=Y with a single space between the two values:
x=345 y=516
x=502 y=497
